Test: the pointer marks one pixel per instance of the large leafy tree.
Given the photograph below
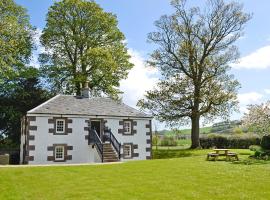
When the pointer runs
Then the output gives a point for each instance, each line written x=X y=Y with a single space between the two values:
x=84 y=45
x=15 y=40
x=194 y=50
x=15 y=101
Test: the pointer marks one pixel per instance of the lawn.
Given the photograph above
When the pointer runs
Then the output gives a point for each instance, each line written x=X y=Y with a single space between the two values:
x=186 y=177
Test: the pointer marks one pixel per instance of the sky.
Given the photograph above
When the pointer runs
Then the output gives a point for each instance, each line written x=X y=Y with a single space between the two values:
x=136 y=19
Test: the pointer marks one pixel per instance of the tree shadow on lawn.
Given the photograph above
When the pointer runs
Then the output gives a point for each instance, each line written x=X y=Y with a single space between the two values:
x=172 y=153
x=251 y=161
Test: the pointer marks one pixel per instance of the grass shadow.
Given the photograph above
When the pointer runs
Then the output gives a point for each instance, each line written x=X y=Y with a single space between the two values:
x=251 y=161
x=172 y=153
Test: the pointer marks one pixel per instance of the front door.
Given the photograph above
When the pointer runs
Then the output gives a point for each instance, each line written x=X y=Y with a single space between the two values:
x=95 y=124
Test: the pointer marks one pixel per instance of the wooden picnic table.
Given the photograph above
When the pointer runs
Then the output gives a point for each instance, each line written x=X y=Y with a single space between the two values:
x=222 y=150
x=226 y=153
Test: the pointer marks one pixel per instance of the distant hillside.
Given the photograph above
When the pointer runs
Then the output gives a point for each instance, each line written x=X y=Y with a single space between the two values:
x=204 y=130
x=221 y=127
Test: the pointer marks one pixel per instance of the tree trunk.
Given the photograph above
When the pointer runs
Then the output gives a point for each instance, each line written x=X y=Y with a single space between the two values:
x=78 y=89
x=195 y=132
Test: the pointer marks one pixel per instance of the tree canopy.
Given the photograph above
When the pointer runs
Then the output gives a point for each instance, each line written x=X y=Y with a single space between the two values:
x=15 y=40
x=257 y=118
x=15 y=102
x=83 y=44
x=195 y=48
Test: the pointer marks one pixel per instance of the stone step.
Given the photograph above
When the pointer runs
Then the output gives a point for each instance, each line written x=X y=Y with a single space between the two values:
x=110 y=160
x=109 y=153
x=105 y=156
x=108 y=150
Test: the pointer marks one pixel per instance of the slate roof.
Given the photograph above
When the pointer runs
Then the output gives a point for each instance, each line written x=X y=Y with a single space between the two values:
x=73 y=105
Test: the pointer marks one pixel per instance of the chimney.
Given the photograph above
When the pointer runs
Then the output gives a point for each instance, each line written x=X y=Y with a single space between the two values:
x=85 y=92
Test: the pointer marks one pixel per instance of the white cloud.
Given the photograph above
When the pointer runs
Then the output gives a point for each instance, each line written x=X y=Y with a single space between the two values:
x=259 y=59
x=267 y=91
x=140 y=79
x=249 y=98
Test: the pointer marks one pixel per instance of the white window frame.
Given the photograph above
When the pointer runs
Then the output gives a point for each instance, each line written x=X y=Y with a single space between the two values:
x=130 y=151
x=55 y=152
x=56 y=126
x=124 y=127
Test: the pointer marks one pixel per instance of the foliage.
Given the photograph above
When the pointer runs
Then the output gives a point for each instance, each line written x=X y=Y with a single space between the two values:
x=25 y=94
x=229 y=141
x=195 y=47
x=155 y=140
x=237 y=130
x=265 y=142
x=257 y=118
x=15 y=40
x=168 y=141
x=84 y=45
x=255 y=148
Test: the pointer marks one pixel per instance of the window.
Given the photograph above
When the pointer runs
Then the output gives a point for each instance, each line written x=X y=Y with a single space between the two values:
x=60 y=126
x=127 y=127
x=59 y=153
x=127 y=151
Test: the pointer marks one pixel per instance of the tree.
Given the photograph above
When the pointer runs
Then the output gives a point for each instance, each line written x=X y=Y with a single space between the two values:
x=194 y=50
x=84 y=45
x=257 y=118
x=15 y=102
x=15 y=39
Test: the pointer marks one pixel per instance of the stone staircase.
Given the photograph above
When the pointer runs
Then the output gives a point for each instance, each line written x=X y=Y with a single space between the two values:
x=109 y=154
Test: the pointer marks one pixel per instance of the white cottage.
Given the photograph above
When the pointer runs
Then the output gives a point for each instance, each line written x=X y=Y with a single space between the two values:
x=72 y=129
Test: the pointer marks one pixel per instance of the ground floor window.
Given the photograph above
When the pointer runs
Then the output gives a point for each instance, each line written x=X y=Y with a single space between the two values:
x=59 y=153
x=127 y=150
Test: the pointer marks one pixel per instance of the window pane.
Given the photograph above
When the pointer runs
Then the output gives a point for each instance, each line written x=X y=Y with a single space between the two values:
x=60 y=126
x=127 y=127
x=59 y=153
x=127 y=151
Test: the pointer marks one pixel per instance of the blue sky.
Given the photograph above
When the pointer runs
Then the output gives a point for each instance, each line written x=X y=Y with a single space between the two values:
x=136 y=18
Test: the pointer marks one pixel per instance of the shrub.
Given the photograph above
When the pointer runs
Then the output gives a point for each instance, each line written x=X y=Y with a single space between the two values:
x=155 y=140
x=237 y=131
x=168 y=141
x=255 y=148
x=229 y=141
x=265 y=143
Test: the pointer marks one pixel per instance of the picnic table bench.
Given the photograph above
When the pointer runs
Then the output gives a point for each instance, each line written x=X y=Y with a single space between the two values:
x=222 y=152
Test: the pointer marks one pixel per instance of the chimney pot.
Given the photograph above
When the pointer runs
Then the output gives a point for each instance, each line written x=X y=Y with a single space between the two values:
x=86 y=91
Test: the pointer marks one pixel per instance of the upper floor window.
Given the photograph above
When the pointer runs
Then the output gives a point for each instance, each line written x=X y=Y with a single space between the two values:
x=60 y=126
x=127 y=127
x=59 y=153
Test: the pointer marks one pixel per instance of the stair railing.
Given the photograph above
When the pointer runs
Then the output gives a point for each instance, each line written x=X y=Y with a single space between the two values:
x=95 y=140
x=109 y=136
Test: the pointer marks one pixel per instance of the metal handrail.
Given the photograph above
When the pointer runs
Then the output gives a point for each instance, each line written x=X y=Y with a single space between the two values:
x=97 y=141
x=114 y=142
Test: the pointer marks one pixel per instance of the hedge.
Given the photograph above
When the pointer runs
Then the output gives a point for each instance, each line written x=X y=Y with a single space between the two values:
x=168 y=141
x=265 y=143
x=229 y=141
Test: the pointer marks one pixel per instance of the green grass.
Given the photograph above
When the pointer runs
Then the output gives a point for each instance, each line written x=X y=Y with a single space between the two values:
x=187 y=177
